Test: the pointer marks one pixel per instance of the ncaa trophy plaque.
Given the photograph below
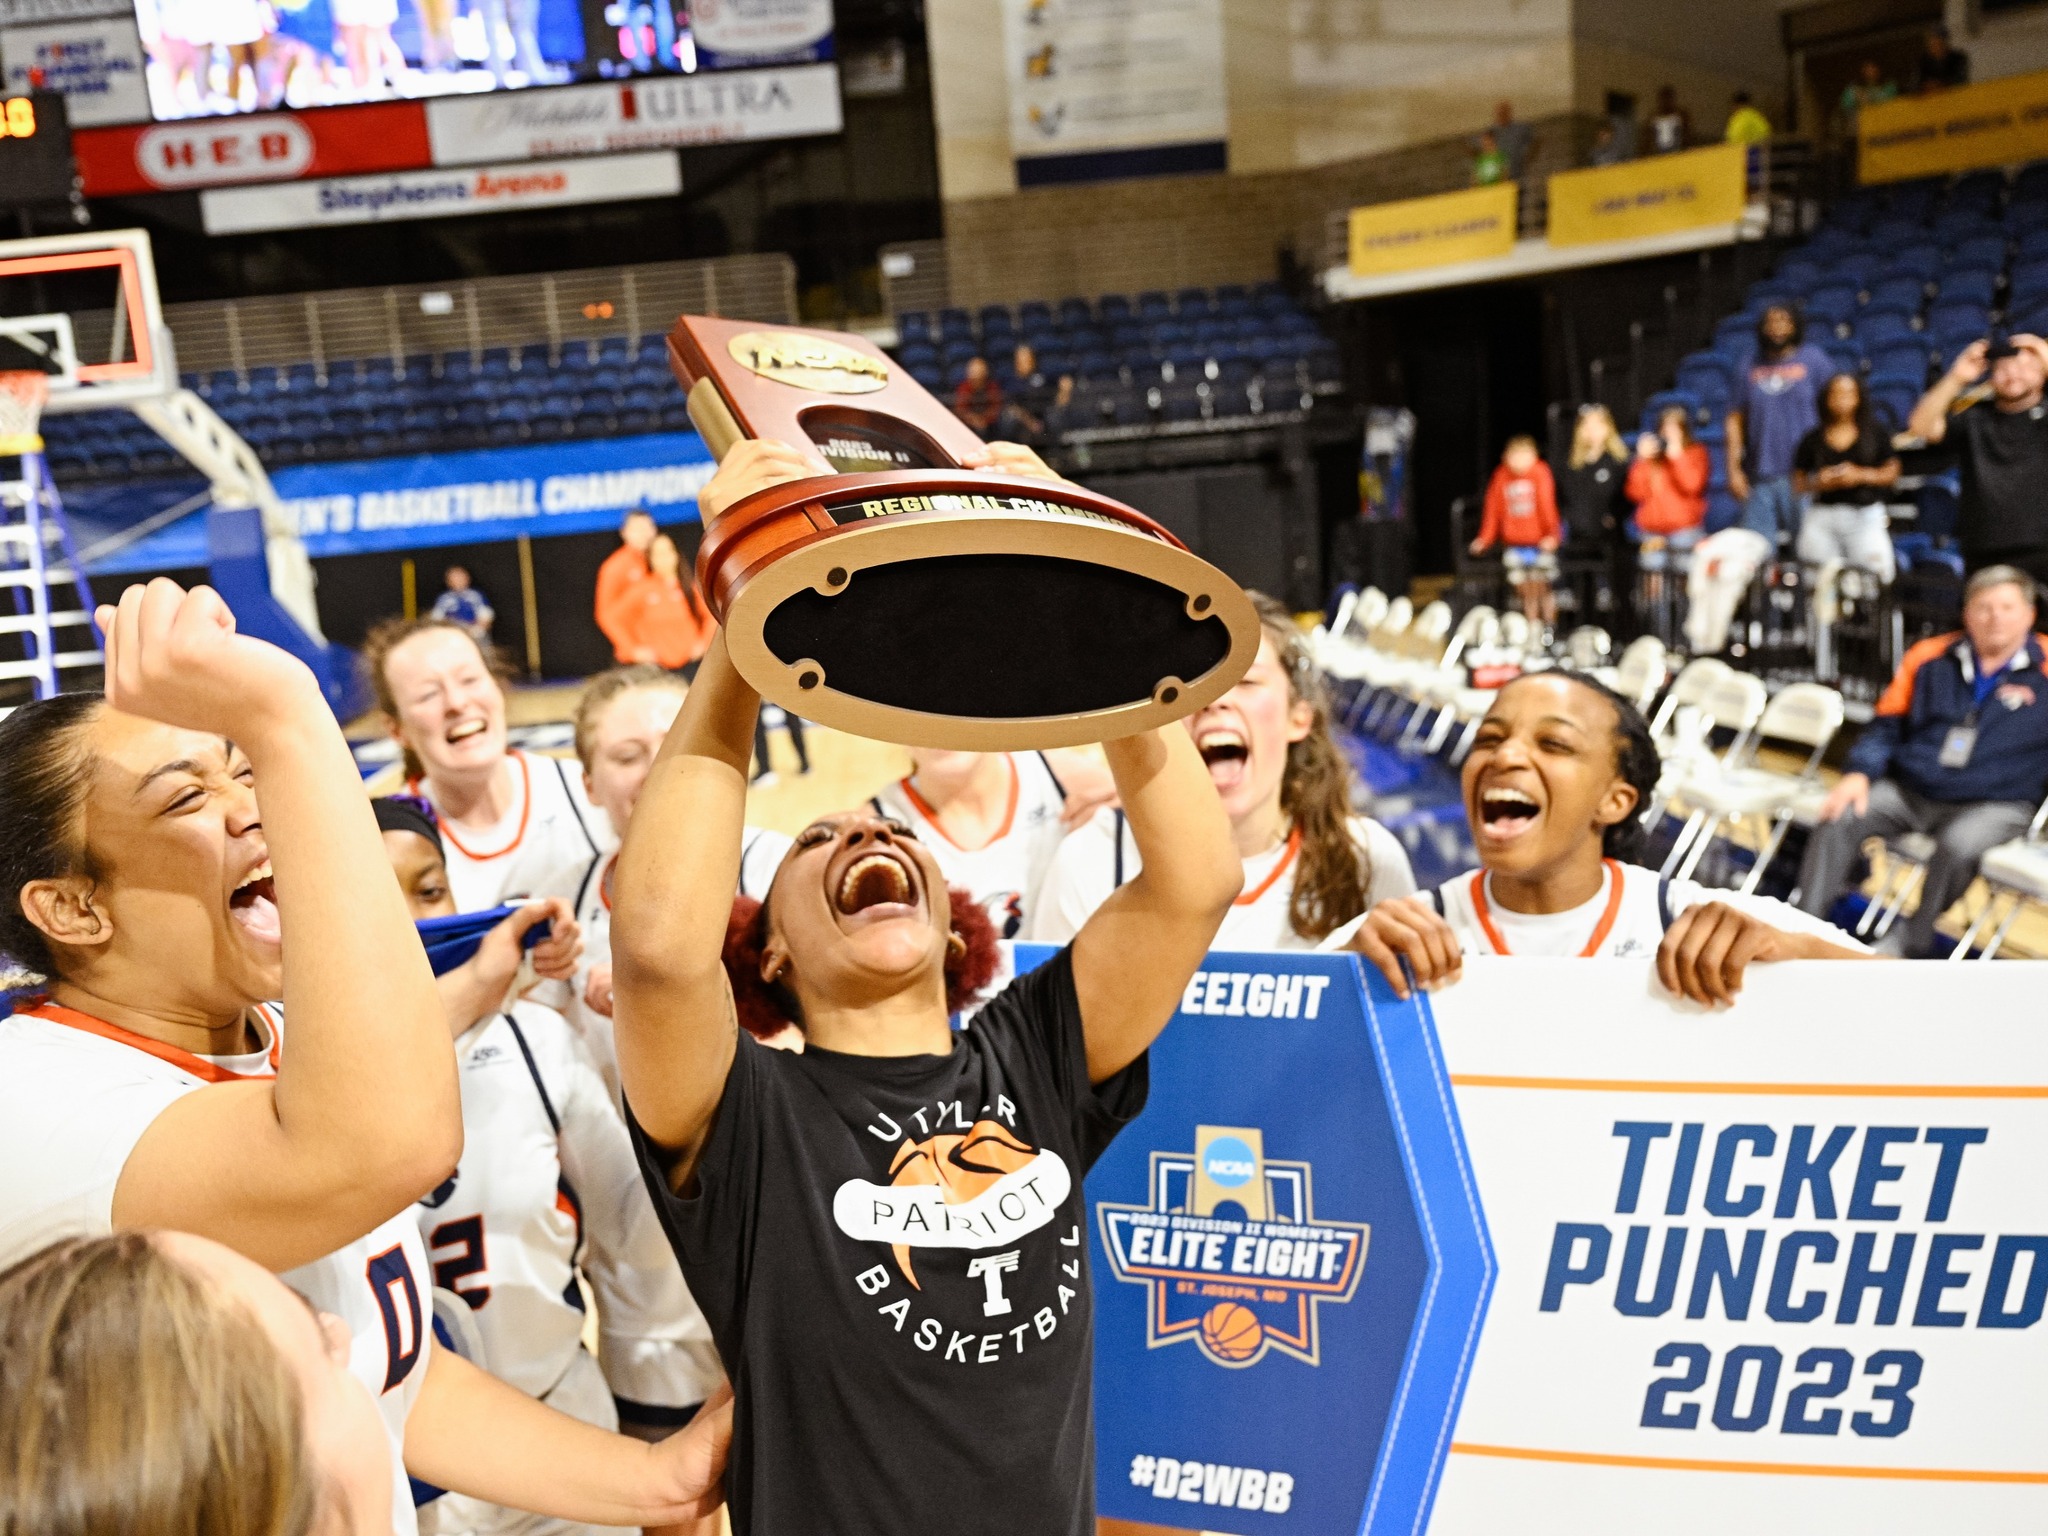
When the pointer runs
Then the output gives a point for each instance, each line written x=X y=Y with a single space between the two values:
x=903 y=597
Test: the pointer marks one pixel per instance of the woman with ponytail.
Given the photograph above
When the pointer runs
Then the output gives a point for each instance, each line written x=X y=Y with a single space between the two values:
x=1311 y=864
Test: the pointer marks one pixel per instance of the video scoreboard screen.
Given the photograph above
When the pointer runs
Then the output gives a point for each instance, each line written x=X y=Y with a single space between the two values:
x=35 y=149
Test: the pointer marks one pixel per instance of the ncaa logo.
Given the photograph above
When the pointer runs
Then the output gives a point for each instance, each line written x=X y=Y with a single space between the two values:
x=1232 y=1250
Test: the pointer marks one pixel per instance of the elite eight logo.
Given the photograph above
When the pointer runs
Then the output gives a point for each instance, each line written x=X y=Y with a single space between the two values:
x=1232 y=1250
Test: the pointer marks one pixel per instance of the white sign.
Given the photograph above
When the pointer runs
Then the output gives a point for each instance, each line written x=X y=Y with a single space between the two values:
x=759 y=29
x=96 y=65
x=1774 y=1269
x=1095 y=75
x=439 y=194
x=15 y=13
x=649 y=113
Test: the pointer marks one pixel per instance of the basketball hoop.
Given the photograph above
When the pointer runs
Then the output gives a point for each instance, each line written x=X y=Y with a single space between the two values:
x=22 y=395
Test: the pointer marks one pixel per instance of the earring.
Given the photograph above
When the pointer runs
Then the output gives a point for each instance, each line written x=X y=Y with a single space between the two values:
x=955 y=945
x=776 y=974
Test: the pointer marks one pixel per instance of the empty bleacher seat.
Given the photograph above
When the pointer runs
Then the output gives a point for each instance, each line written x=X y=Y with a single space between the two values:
x=1830 y=305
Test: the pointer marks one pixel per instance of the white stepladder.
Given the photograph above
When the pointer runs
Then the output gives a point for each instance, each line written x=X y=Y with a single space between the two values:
x=39 y=568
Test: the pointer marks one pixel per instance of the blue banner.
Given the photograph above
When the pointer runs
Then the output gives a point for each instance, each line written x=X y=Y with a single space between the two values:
x=372 y=505
x=1290 y=1263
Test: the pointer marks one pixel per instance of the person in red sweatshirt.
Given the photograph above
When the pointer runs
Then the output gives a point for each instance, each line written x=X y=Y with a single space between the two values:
x=1521 y=516
x=1668 y=484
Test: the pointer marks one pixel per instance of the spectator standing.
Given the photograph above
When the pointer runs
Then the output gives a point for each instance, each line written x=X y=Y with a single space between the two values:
x=1958 y=750
x=1489 y=165
x=463 y=606
x=1516 y=141
x=666 y=620
x=623 y=569
x=1521 y=516
x=1065 y=413
x=1608 y=148
x=1868 y=89
x=1589 y=491
x=1843 y=466
x=978 y=400
x=1671 y=125
x=1668 y=484
x=1777 y=402
x=1939 y=67
x=1746 y=125
x=1029 y=396
x=2002 y=449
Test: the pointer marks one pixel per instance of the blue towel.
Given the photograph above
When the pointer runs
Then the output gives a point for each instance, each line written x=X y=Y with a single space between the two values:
x=452 y=940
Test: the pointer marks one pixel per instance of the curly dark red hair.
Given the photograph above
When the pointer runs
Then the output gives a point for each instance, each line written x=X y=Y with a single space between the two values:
x=764 y=1008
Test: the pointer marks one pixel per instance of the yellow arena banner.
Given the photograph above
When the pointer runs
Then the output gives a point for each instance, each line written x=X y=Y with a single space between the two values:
x=1996 y=123
x=1478 y=225
x=1655 y=196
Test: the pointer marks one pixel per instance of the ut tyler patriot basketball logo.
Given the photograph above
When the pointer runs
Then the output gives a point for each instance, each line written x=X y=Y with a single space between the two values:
x=1232 y=1251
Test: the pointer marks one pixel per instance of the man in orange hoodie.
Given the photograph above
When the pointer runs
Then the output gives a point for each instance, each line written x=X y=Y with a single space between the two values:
x=623 y=570
x=1521 y=515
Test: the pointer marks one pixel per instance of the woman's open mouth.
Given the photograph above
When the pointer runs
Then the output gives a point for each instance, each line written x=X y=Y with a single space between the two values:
x=463 y=730
x=1505 y=814
x=1226 y=753
x=253 y=905
x=876 y=888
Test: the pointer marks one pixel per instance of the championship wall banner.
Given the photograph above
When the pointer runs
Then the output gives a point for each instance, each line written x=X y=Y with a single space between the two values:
x=1478 y=225
x=1997 y=123
x=1657 y=195
x=94 y=63
x=430 y=499
x=1549 y=1251
x=1115 y=88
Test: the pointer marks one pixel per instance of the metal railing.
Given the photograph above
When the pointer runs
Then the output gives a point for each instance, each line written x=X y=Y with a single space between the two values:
x=418 y=319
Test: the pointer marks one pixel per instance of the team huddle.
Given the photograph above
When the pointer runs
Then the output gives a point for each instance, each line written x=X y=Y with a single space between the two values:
x=770 y=1108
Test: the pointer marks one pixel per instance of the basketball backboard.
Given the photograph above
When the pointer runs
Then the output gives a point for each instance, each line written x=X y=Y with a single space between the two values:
x=84 y=310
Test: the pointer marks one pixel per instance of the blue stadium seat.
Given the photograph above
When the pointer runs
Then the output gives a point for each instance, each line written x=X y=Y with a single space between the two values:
x=1980 y=253
x=1875 y=327
x=1703 y=373
x=929 y=375
x=1902 y=294
x=1034 y=313
x=1922 y=260
x=1900 y=359
x=1848 y=357
x=1830 y=305
x=1947 y=321
x=1114 y=308
x=1799 y=273
x=2024 y=215
x=997 y=315
x=1192 y=302
x=1894 y=398
x=1154 y=304
x=955 y=323
x=1076 y=313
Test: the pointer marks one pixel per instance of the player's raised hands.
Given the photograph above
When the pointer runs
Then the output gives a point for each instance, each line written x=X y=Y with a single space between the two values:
x=1410 y=928
x=753 y=465
x=174 y=656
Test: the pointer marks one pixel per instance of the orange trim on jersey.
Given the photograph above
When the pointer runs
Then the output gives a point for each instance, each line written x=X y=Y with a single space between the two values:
x=525 y=813
x=1600 y=929
x=177 y=1056
x=917 y=802
x=1897 y=697
x=604 y=881
x=1286 y=863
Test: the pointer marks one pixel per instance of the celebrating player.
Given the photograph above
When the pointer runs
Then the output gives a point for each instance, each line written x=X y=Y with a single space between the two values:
x=1310 y=864
x=162 y=909
x=547 y=1190
x=886 y=1229
x=1557 y=776
x=993 y=819
x=621 y=721
x=515 y=824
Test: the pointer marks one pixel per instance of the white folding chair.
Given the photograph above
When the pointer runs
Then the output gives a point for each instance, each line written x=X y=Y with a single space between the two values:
x=1641 y=672
x=1435 y=688
x=1803 y=714
x=1587 y=648
x=1688 y=688
x=2017 y=873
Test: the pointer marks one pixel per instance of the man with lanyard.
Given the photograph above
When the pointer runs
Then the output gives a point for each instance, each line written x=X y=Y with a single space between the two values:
x=1958 y=750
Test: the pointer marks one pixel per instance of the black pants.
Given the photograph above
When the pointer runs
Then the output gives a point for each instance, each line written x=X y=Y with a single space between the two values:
x=790 y=723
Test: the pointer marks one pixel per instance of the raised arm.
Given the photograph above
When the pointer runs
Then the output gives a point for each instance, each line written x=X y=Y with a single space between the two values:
x=678 y=871
x=364 y=1117
x=1133 y=957
x=1929 y=421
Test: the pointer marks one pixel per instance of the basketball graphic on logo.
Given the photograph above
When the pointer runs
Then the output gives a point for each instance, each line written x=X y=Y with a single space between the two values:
x=1230 y=1331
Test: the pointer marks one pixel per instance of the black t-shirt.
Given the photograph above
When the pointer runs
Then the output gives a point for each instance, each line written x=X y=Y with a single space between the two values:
x=1814 y=453
x=892 y=1253
x=2004 y=459
x=1590 y=498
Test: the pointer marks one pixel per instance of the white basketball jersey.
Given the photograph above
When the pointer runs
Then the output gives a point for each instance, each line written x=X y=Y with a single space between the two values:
x=761 y=854
x=1005 y=873
x=1625 y=919
x=540 y=846
x=548 y=1184
x=76 y=1094
x=1100 y=856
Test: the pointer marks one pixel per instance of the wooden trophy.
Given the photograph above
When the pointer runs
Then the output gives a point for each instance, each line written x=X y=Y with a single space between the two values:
x=902 y=597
